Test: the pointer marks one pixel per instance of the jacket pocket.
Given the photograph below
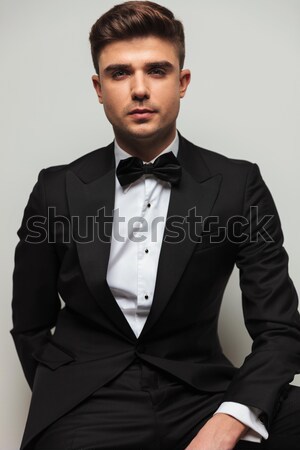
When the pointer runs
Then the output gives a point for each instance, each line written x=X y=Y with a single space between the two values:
x=52 y=356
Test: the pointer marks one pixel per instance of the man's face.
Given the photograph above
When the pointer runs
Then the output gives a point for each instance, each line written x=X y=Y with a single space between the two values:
x=141 y=74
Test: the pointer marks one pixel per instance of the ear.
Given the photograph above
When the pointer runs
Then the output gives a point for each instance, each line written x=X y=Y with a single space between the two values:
x=184 y=80
x=97 y=86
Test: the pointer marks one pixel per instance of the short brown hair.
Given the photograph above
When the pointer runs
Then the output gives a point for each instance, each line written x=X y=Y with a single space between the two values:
x=136 y=19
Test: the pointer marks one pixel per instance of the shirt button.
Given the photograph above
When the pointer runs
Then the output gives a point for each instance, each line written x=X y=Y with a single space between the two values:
x=146 y=251
x=149 y=204
x=146 y=297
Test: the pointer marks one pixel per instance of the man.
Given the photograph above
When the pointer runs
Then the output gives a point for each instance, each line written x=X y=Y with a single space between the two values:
x=139 y=239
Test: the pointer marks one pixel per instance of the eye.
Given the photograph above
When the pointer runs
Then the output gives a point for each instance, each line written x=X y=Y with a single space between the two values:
x=158 y=71
x=118 y=74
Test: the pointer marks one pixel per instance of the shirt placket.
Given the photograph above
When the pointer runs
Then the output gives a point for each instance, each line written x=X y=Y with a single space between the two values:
x=146 y=255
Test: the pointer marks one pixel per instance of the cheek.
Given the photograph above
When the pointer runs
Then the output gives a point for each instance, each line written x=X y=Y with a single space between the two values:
x=172 y=104
x=114 y=96
x=112 y=103
x=170 y=97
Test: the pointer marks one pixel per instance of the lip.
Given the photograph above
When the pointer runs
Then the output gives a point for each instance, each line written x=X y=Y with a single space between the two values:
x=143 y=113
x=141 y=110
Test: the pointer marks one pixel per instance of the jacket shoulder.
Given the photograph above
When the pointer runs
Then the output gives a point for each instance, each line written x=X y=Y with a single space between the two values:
x=78 y=164
x=220 y=163
x=237 y=175
x=52 y=180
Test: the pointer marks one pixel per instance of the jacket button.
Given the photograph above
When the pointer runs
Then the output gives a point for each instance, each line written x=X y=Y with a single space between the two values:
x=140 y=348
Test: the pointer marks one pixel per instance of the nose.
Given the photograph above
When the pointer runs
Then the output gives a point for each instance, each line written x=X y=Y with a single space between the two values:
x=139 y=87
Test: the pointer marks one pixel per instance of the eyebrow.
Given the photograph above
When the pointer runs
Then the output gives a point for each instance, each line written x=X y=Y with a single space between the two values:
x=149 y=65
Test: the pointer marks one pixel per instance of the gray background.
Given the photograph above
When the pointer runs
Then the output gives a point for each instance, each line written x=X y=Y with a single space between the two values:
x=243 y=101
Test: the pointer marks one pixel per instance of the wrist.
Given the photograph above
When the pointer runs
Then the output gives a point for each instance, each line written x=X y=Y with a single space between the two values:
x=232 y=426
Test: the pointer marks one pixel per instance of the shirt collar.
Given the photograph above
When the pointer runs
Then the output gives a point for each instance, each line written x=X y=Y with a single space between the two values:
x=122 y=154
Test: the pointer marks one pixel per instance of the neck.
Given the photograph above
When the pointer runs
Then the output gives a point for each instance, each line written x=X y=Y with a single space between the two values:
x=146 y=148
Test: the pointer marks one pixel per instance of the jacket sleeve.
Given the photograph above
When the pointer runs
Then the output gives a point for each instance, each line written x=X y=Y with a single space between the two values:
x=269 y=305
x=35 y=302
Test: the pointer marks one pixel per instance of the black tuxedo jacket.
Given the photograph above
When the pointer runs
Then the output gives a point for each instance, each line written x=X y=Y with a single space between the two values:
x=93 y=342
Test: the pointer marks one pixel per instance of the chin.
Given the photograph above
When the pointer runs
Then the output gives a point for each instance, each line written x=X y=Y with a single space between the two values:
x=142 y=132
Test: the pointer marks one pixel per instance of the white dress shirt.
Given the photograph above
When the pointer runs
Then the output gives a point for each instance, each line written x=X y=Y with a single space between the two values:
x=139 y=219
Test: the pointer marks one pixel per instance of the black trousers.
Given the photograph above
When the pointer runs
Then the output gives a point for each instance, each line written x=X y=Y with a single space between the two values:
x=147 y=409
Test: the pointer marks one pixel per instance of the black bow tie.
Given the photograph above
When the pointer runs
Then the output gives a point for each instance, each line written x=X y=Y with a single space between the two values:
x=166 y=167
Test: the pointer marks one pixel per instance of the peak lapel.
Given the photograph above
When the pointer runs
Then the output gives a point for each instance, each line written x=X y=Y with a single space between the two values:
x=199 y=190
x=91 y=203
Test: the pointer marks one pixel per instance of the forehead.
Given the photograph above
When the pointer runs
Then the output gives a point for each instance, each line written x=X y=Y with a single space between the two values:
x=138 y=51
